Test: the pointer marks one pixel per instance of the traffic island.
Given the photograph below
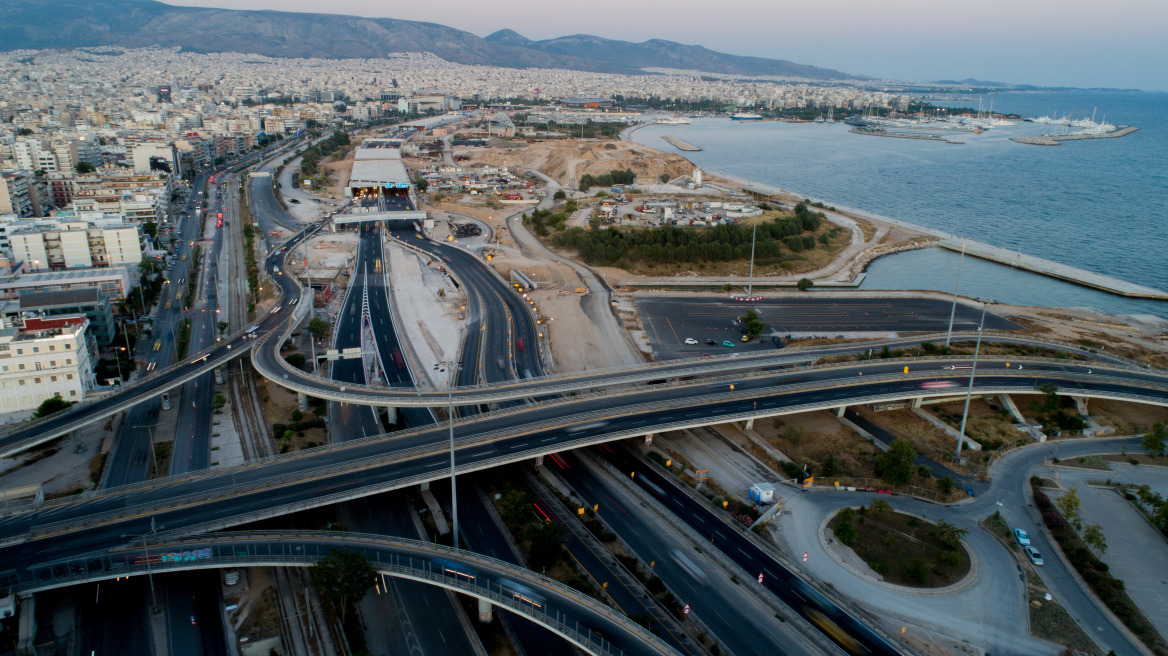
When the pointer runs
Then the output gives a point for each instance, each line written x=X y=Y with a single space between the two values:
x=901 y=549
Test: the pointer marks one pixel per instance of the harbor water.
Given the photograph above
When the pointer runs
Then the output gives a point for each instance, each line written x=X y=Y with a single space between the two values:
x=1099 y=205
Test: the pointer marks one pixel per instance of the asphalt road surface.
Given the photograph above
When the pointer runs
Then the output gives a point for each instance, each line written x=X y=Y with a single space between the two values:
x=669 y=320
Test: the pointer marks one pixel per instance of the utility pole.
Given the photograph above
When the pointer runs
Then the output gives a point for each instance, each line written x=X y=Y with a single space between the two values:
x=953 y=310
x=972 y=372
x=453 y=367
x=753 y=235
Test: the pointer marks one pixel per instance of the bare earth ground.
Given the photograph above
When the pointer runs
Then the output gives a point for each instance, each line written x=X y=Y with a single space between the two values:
x=806 y=438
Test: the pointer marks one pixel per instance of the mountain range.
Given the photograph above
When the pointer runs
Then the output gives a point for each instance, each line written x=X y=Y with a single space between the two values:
x=51 y=24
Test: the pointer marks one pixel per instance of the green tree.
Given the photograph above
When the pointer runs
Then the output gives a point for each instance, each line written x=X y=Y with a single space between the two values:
x=219 y=401
x=421 y=183
x=559 y=195
x=831 y=464
x=84 y=167
x=1050 y=400
x=664 y=177
x=845 y=529
x=948 y=535
x=1155 y=441
x=149 y=266
x=151 y=229
x=514 y=505
x=804 y=284
x=547 y=544
x=319 y=327
x=1068 y=504
x=752 y=323
x=222 y=326
x=945 y=485
x=295 y=359
x=50 y=405
x=880 y=508
x=1093 y=536
x=343 y=577
x=896 y=464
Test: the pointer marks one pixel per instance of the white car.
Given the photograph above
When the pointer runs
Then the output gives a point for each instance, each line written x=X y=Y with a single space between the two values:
x=1021 y=537
x=1033 y=555
x=690 y=340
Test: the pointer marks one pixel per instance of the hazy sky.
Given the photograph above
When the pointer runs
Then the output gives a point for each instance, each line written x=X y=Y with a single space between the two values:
x=1121 y=43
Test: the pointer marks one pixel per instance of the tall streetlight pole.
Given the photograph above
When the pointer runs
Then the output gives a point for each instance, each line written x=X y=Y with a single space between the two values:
x=453 y=367
x=753 y=234
x=953 y=310
x=973 y=370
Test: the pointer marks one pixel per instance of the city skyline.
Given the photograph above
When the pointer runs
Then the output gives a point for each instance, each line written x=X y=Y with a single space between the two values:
x=1040 y=43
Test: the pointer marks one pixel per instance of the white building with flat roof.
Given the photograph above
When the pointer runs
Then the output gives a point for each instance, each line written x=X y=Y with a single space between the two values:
x=48 y=357
x=75 y=245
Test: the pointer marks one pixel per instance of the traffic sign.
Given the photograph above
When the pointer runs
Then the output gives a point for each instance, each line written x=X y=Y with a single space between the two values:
x=804 y=556
x=686 y=609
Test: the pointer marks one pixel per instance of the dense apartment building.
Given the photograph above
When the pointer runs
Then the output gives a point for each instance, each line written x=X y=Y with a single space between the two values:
x=73 y=244
x=46 y=357
x=22 y=194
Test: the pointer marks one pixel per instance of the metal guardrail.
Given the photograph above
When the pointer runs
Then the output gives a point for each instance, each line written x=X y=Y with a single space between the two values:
x=383 y=459
x=303 y=548
x=684 y=401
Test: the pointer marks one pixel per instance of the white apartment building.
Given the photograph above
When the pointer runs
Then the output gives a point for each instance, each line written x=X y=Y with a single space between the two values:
x=48 y=357
x=75 y=244
x=31 y=154
x=14 y=193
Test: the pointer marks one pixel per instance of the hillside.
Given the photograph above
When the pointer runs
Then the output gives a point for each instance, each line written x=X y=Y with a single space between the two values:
x=47 y=24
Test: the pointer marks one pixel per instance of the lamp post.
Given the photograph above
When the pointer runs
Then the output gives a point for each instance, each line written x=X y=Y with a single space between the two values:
x=750 y=283
x=146 y=559
x=953 y=310
x=973 y=370
x=453 y=367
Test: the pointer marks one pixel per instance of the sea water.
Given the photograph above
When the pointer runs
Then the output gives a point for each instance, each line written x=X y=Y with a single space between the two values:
x=1100 y=205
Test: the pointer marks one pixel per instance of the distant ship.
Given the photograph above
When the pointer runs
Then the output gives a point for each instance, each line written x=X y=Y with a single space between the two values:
x=746 y=116
x=856 y=120
x=674 y=120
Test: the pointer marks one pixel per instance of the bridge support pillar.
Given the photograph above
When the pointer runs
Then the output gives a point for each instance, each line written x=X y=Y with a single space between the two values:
x=839 y=412
x=391 y=415
x=1080 y=404
x=918 y=402
x=649 y=440
x=302 y=401
x=26 y=629
x=749 y=425
x=539 y=461
x=486 y=611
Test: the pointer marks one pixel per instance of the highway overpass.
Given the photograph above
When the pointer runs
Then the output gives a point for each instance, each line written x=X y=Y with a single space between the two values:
x=206 y=501
x=587 y=623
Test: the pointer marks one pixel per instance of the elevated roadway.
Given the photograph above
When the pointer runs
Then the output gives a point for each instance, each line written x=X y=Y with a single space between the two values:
x=587 y=623
x=316 y=477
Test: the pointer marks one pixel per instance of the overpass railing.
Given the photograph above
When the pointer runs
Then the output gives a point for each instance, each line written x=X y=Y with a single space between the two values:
x=350 y=465
x=397 y=557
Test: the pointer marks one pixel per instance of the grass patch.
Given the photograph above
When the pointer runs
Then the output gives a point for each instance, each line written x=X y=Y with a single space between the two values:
x=1087 y=462
x=1136 y=459
x=1050 y=621
x=905 y=550
x=96 y=466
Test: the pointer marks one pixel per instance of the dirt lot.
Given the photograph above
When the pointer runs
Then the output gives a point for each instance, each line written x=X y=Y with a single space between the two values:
x=926 y=438
x=903 y=549
x=988 y=423
x=278 y=403
x=808 y=438
x=1127 y=418
x=568 y=159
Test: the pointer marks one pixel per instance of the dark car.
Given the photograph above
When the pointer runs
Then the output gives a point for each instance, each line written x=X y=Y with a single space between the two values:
x=778 y=341
x=710 y=342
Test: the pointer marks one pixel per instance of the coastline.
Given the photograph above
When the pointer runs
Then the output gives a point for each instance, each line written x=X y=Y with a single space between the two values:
x=978 y=249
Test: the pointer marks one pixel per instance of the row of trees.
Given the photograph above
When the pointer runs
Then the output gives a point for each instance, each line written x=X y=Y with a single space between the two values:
x=671 y=244
x=310 y=164
x=540 y=220
x=620 y=176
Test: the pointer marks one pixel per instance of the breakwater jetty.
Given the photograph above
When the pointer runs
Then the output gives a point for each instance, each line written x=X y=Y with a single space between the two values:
x=899 y=135
x=1054 y=140
x=1054 y=269
x=679 y=144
